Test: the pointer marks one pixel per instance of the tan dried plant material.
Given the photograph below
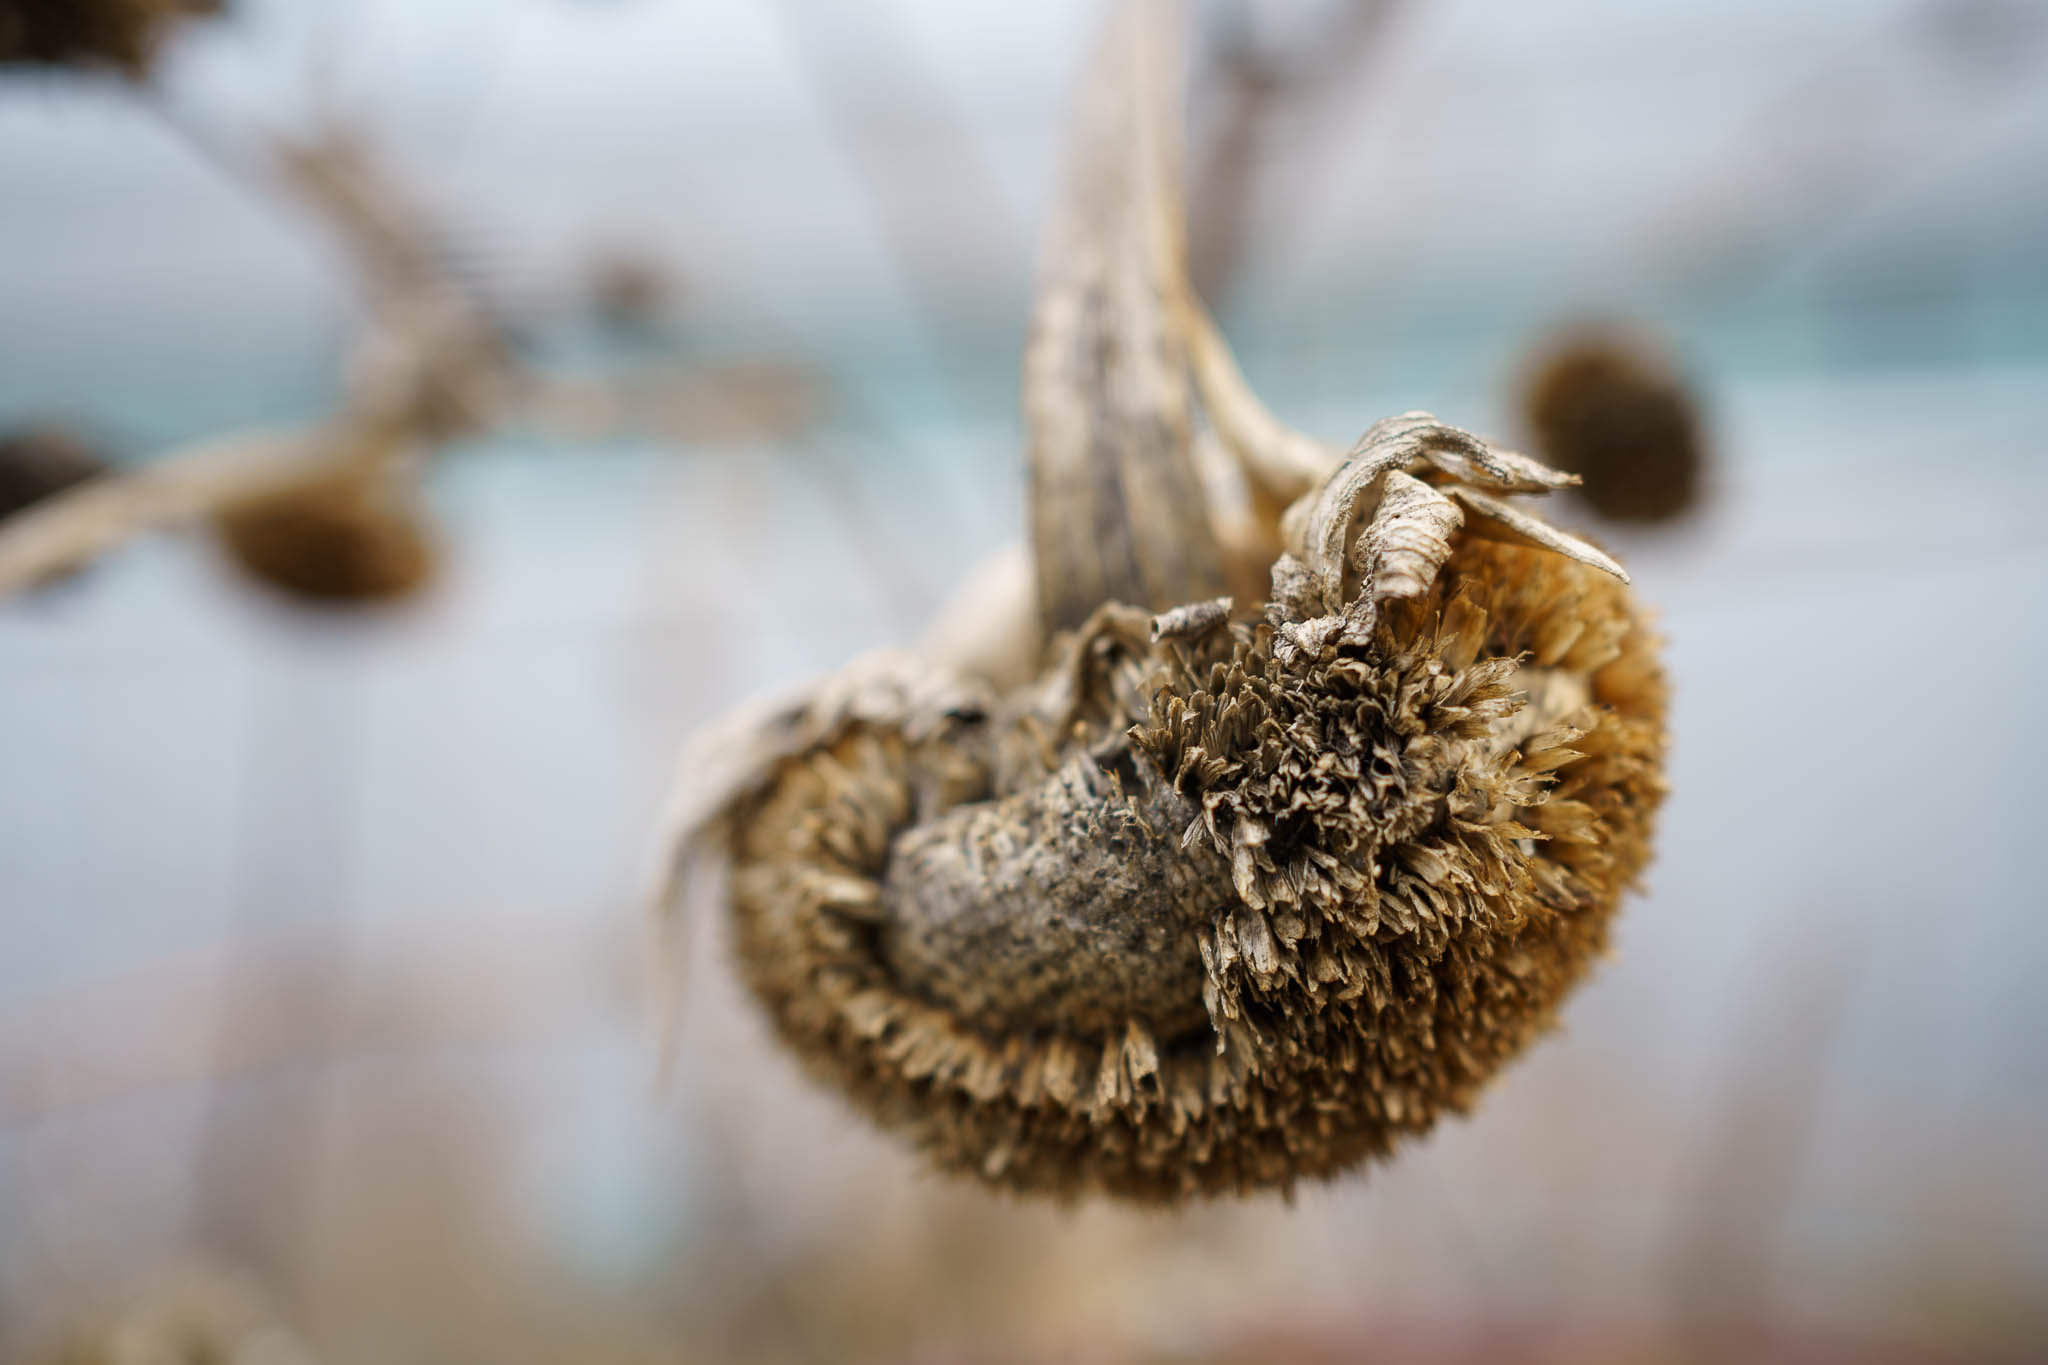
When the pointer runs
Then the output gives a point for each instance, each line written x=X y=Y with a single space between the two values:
x=327 y=511
x=1610 y=405
x=432 y=368
x=1197 y=899
x=433 y=360
x=349 y=484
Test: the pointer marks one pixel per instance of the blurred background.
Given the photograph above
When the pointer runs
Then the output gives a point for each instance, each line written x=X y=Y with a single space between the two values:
x=321 y=940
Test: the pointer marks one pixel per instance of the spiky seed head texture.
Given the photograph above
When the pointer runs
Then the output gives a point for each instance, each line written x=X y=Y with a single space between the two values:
x=1385 y=863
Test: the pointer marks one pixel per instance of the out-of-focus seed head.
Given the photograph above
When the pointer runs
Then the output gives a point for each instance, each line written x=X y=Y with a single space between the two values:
x=1608 y=406
x=1213 y=903
x=337 y=539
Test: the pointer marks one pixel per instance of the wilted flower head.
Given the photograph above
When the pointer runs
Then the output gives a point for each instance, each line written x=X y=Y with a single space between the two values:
x=1198 y=911
x=1197 y=899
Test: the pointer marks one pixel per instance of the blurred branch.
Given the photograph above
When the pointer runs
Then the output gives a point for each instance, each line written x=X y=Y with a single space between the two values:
x=938 y=203
x=1255 y=89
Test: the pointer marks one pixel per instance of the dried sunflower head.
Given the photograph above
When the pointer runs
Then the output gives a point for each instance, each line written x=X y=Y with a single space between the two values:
x=121 y=33
x=1215 y=904
x=1613 y=409
x=1194 y=900
x=351 y=535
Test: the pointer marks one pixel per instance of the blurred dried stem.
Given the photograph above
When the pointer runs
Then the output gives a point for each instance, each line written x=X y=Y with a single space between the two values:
x=430 y=370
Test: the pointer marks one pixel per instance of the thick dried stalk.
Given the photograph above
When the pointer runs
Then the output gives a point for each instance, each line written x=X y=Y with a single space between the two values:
x=1117 y=509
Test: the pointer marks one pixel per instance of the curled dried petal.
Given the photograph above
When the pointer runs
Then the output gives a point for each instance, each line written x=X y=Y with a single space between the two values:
x=1497 y=520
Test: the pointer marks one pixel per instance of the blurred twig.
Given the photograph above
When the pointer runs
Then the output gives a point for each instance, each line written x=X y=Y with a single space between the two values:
x=1255 y=89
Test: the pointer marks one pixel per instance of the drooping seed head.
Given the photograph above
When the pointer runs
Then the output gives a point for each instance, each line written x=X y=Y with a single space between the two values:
x=1191 y=916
